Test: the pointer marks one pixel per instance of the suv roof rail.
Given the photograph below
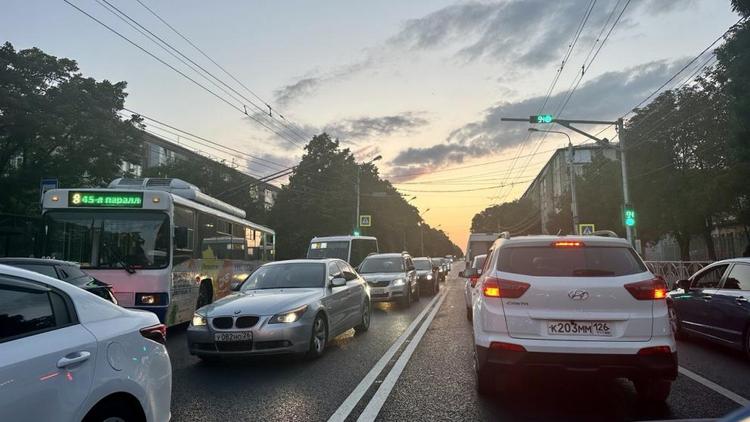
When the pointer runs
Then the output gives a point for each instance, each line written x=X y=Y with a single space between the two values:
x=604 y=233
x=504 y=235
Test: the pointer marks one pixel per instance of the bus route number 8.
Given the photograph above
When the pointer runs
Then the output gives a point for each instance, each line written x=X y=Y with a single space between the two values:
x=77 y=198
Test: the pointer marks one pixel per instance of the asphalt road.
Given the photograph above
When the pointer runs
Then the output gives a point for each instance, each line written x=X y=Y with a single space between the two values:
x=428 y=375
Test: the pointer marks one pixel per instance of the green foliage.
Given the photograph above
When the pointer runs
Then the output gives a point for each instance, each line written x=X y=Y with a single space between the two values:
x=599 y=194
x=56 y=123
x=320 y=200
x=217 y=180
x=519 y=217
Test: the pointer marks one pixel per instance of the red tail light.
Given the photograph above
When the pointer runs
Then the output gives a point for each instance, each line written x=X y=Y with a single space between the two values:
x=653 y=289
x=567 y=244
x=157 y=333
x=496 y=287
x=510 y=347
x=655 y=350
x=473 y=281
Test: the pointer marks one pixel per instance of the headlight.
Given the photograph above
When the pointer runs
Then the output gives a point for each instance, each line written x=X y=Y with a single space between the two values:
x=429 y=276
x=199 y=320
x=399 y=282
x=287 y=317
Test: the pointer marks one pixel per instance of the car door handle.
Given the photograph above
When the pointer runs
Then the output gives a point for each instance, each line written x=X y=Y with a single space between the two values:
x=741 y=300
x=706 y=297
x=73 y=359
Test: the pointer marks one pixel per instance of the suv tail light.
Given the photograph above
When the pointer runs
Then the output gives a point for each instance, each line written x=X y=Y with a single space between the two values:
x=510 y=347
x=654 y=289
x=496 y=287
x=655 y=350
x=157 y=333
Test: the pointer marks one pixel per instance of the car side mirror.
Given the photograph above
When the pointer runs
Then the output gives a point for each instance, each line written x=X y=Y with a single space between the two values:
x=236 y=285
x=181 y=238
x=338 y=282
x=684 y=284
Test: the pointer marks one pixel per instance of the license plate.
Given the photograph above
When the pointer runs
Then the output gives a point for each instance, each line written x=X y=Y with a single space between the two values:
x=238 y=336
x=377 y=290
x=579 y=328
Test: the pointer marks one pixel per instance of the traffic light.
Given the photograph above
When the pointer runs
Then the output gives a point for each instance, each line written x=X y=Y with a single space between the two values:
x=541 y=118
x=629 y=215
x=355 y=233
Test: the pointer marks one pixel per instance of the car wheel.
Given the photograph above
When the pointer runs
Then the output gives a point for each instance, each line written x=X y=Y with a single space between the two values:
x=469 y=316
x=204 y=295
x=435 y=287
x=674 y=322
x=114 y=411
x=653 y=390
x=405 y=301
x=418 y=293
x=485 y=384
x=318 y=338
x=364 y=324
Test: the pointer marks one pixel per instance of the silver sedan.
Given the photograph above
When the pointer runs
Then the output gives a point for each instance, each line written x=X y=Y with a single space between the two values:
x=291 y=306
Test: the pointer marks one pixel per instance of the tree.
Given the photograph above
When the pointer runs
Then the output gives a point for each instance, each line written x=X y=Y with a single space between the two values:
x=519 y=217
x=320 y=200
x=56 y=123
x=599 y=194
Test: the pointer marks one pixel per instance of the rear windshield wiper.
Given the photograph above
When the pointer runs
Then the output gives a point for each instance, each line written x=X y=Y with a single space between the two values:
x=119 y=258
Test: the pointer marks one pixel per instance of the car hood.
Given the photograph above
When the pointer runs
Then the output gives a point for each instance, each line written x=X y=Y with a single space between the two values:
x=262 y=302
x=382 y=276
x=422 y=273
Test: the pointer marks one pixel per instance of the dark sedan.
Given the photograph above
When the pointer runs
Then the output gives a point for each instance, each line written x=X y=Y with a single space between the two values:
x=713 y=304
x=68 y=272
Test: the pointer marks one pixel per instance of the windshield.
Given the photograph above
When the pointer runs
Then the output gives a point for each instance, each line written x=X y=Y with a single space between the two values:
x=382 y=265
x=320 y=250
x=287 y=276
x=423 y=264
x=570 y=262
x=108 y=239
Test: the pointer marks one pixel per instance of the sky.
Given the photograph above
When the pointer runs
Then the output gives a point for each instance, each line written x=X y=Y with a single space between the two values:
x=422 y=83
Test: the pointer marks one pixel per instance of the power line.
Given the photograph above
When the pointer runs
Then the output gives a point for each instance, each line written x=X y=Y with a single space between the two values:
x=462 y=190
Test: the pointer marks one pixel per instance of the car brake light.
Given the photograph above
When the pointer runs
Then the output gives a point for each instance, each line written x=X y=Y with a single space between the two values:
x=495 y=287
x=653 y=289
x=473 y=281
x=157 y=333
x=654 y=350
x=510 y=347
x=567 y=244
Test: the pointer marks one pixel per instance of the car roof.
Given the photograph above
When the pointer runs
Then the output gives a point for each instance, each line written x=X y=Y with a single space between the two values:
x=36 y=261
x=387 y=255
x=731 y=260
x=34 y=276
x=340 y=238
x=421 y=257
x=547 y=240
x=306 y=261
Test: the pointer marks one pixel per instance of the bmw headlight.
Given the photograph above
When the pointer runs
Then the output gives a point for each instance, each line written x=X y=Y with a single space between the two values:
x=199 y=320
x=429 y=276
x=399 y=282
x=287 y=317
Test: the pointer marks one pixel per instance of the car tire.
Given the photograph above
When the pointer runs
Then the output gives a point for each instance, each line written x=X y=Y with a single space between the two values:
x=469 y=316
x=114 y=410
x=653 y=390
x=485 y=383
x=318 y=337
x=418 y=293
x=675 y=323
x=364 y=323
x=405 y=301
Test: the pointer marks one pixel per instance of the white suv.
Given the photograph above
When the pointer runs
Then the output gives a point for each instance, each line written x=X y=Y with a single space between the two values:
x=584 y=305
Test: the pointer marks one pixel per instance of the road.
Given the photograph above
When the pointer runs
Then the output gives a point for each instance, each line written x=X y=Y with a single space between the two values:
x=427 y=375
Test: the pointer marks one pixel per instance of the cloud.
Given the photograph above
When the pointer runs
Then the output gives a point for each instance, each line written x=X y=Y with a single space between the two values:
x=604 y=97
x=368 y=127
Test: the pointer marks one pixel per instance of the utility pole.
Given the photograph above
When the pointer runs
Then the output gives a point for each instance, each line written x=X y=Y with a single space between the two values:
x=573 y=200
x=357 y=230
x=549 y=119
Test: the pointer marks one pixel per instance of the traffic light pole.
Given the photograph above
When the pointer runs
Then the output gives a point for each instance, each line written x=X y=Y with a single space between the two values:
x=549 y=119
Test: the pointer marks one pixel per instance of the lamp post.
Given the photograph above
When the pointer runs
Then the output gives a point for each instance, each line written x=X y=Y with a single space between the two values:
x=356 y=212
x=571 y=171
x=421 y=233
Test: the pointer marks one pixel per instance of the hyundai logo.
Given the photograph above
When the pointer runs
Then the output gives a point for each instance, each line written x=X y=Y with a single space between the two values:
x=578 y=294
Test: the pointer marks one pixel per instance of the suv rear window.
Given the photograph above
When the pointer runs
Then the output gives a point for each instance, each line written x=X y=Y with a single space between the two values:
x=589 y=261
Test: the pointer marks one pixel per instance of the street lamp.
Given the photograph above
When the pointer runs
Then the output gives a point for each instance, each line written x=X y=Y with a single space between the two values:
x=421 y=232
x=571 y=170
x=356 y=215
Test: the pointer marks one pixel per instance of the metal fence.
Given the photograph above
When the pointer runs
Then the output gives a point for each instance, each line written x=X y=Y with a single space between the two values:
x=672 y=271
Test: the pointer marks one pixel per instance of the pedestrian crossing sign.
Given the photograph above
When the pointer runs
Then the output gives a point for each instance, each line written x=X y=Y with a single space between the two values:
x=586 y=229
x=365 y=221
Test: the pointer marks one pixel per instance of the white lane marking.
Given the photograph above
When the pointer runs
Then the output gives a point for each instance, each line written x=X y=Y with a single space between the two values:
x=377 y=401
x=714 y=386
x=348 y=405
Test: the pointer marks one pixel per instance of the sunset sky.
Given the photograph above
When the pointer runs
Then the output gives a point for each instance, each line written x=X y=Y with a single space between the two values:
x=424 y=83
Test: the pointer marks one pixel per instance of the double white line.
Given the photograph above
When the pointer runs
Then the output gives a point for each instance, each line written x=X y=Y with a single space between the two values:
x=377 y=401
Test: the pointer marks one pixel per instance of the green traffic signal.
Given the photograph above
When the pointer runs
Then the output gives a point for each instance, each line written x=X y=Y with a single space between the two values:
x=541 y=118
x=355 y=233
x=629 y=217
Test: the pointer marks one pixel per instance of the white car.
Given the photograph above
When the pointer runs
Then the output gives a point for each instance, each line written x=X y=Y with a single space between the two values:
x=563 y=305
x=471 y=274
x=69 y=355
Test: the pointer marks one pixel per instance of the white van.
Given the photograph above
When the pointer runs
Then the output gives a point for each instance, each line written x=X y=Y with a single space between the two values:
x=352 y=249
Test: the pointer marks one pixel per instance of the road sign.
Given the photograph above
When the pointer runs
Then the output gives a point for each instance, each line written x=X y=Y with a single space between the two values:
x=586 y=229
x=365 y=221
x=45 y=185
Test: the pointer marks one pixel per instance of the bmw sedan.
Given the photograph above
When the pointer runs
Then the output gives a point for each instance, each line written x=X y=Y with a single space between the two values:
x=284 y=307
